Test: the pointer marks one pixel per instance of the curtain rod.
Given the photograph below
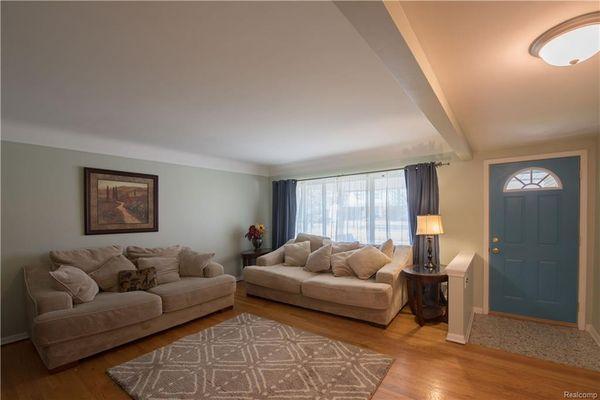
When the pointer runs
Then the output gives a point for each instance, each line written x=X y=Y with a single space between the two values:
x=437 y=164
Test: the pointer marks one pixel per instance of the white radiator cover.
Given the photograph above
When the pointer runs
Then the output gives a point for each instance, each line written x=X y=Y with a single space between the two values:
x=460 y=297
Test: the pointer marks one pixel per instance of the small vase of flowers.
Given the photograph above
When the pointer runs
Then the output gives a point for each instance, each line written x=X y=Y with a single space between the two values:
x=255 y=235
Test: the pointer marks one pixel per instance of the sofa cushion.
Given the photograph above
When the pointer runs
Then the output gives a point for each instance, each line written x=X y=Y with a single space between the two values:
x=192 y=263
x=107 y=276
x=138 y=279
x=135 y=252
x=296 y=254
x=190 y=291
x=340 y=247
x=367 y=261
x=339 y=263
x=108 y=311
x=167 y=268
x=348 y=290
x=87 y=260
x=279 y=277
x=77 y=283
x=387 y=248
x=319 y=260
x=316 y=241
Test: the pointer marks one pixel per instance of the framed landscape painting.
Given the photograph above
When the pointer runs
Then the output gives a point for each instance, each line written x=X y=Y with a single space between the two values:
x=120 y=202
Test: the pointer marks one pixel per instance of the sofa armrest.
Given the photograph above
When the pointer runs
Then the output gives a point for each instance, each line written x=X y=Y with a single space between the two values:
x=42 y=297
x=390 y=273
x=213 y=269
x=272 y=258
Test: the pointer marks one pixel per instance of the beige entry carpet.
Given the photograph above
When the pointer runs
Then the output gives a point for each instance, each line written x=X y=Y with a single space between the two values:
x=249 y=357
x=553 y=343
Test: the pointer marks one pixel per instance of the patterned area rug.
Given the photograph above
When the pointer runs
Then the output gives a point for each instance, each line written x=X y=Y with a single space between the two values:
x=248 y=357
x=553 y=343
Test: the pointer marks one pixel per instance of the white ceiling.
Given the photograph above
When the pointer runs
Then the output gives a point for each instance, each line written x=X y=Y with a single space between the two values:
x=501 y=95
x=263 y=83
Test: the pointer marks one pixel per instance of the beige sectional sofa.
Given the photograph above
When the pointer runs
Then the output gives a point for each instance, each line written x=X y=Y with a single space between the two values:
x=64 y=332
x=376 y=300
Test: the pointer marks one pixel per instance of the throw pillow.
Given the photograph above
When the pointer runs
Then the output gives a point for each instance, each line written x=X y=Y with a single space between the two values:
x=339 y=263
x=192 y=263
x=387 y=248
x=77 y=283
x=87 y=260
x=107 y=276
x=136 y=252
x=319 y=260
x=340 y=247
x=167 y=268
x=296 y=254
x=315 y=240
x=366 y=261
x=142 y=279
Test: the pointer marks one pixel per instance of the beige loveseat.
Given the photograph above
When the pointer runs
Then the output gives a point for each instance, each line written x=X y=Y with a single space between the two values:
x=376 y=300
x=64 y=332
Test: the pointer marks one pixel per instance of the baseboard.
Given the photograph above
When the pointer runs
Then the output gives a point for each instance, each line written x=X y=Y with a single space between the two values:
x=14 y=338
x=478 y=310
x=595 y=335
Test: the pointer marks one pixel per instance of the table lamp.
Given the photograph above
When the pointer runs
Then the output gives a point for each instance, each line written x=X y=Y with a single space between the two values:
x=429 y=225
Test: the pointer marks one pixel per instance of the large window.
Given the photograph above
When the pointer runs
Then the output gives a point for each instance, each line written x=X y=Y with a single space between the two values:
x=370 y=208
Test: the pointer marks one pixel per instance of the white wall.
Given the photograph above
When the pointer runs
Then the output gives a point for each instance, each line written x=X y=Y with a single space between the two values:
x=42 y=209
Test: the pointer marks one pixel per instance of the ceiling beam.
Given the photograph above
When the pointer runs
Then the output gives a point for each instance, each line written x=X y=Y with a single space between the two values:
x=386 y=29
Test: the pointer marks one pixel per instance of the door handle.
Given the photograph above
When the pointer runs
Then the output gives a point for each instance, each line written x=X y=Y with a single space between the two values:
x=496 y=250
x=495 y=239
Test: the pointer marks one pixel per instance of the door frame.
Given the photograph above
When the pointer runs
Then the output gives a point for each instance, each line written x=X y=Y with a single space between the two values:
x=583 y=224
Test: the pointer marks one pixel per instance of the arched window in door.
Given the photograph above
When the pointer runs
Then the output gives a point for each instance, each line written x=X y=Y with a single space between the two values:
x=533 y=178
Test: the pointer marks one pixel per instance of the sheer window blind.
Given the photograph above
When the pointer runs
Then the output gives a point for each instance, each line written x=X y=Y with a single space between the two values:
x=369 y=208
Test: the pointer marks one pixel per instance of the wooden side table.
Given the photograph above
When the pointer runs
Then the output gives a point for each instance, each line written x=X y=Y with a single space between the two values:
x=249 y=257
x=416 y=278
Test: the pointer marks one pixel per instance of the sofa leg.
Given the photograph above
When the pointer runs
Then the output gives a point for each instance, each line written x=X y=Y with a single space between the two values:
x=64 y=367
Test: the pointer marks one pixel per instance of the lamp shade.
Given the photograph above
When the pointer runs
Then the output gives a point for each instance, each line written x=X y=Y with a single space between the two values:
x=429 y=225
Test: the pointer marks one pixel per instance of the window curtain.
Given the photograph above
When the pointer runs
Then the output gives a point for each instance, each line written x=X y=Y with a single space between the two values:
x=284 y=211
x=369 y=208
x=423 y=198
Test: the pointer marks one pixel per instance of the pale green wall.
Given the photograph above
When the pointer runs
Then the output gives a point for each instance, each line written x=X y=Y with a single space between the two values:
x=42 y=209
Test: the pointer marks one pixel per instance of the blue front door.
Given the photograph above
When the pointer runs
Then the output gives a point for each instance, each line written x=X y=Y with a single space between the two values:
x=534 y=238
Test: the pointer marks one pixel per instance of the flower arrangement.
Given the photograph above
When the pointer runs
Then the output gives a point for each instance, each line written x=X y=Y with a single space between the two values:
x=255 y=235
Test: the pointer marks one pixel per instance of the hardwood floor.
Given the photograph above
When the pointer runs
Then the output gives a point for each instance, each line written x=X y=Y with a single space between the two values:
x=426 y=366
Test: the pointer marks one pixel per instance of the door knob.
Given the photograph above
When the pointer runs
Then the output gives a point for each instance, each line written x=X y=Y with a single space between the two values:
x=496 y=250
x=495 y=239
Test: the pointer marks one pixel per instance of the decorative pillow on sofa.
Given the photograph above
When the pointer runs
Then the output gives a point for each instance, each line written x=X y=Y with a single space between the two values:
x=387 y=248
x=107 y=276
x=319 y=260
x=315 y=240
x=192 y=263
x=296 y=254
x=340 y=247
x=339 y=263
x=167 y=268
x=87 y=260
x=142 y=279
x=75 y=282
x=367 y=261
x=136 y=252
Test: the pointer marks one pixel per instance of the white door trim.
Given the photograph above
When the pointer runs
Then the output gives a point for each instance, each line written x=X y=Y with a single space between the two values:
x=583 y=203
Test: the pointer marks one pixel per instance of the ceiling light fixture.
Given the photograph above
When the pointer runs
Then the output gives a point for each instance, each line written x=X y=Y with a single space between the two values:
x=570 y=42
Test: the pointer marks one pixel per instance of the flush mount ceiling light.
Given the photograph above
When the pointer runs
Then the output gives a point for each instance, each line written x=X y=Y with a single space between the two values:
x=569 y=43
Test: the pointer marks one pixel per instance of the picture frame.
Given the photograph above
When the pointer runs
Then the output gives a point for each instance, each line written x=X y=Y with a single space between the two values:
x=119 y=202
